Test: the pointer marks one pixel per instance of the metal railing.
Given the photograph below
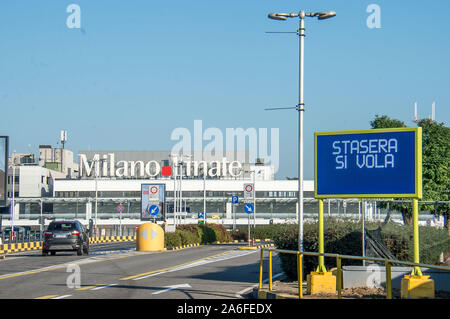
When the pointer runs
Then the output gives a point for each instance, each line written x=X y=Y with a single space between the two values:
x=388 y=263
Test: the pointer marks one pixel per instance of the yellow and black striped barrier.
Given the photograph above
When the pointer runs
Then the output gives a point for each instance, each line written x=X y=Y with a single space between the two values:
x=19 y=247
x=183 y=247
x=37 y=245
x=111 y=239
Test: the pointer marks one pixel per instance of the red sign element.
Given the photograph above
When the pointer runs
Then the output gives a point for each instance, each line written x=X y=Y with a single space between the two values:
x=153 y=189
x=166 y=171
x=248 y=188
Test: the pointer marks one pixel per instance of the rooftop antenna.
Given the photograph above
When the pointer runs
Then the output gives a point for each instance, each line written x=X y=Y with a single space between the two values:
x=432 y=116
x=415 y=118
x=433 y=111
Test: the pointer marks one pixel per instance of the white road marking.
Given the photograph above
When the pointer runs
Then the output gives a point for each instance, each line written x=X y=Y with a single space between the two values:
x=61 y=297
x=105 y=286
x=168 y=288
x=231 y=255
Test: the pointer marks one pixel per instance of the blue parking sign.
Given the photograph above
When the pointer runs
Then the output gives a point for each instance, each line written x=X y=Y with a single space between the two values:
x=235 y=199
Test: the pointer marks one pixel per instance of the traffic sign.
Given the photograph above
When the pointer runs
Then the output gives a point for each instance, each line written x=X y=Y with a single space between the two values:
x=235 y=199
x=120 y=208
x=249 y=192
x=153 y=210
x=248 y=208
x=374 y=163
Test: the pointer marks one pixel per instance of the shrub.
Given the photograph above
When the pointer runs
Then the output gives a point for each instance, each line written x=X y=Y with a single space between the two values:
x=239 y=234
x=220 y=233
x=260 y=232
x=188 y=237
x=172 y=239
x=201 y=233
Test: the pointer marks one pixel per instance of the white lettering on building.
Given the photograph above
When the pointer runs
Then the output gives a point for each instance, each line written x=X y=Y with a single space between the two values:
x=107 y=167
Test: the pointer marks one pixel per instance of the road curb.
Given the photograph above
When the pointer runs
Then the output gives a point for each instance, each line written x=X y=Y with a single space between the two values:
x=266 y=294
x=182 y=247
x=255 y=247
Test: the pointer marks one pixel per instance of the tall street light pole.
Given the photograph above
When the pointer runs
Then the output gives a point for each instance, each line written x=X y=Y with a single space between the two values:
x=300 y=107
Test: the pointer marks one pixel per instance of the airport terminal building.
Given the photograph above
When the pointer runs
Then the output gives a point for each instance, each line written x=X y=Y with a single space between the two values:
x=199 y=181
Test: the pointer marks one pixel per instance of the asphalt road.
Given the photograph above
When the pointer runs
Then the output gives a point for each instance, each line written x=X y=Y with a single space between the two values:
x=117 y=270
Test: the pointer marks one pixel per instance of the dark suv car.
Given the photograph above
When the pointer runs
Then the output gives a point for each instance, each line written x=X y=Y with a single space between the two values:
x=65 y=236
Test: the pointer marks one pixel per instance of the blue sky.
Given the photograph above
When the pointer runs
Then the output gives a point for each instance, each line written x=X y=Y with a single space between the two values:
x=136 y=70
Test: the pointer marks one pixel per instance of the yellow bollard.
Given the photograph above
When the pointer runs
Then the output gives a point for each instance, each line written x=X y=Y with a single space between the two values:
x=388 y=280
x=261 y=268
x=300 y=275
x=149 y=237
x=270 y=270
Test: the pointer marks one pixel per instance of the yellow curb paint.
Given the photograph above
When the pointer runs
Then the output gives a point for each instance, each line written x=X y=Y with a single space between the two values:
x=86 y=288
x=47 y=297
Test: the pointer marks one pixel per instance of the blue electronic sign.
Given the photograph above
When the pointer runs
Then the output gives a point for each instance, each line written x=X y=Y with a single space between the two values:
x=369 y=163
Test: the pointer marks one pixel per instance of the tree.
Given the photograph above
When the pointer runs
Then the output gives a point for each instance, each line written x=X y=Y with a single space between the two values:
x=435 y=167
x=386 y=122
x=404 y=208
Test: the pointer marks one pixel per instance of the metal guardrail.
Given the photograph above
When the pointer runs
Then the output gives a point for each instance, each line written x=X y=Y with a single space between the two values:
x=388 y=263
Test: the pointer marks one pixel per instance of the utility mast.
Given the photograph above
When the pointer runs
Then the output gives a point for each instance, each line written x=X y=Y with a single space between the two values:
x=432 y=116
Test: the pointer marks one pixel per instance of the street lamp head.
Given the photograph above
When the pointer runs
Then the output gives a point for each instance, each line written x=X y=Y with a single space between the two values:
x=276 y=16
x=326 y=15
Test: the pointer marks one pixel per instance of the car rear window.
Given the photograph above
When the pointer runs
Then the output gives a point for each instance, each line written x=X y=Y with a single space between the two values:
x=62 y=226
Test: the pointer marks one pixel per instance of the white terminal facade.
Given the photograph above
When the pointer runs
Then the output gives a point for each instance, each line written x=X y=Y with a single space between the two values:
x=101 y=180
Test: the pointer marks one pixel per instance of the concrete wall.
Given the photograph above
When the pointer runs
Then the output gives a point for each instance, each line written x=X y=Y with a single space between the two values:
x=375 y=276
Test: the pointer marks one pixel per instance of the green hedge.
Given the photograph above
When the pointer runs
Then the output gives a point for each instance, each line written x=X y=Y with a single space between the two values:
x=172 y=239
x=195 y=234
x=345 y=238
x=260 y=232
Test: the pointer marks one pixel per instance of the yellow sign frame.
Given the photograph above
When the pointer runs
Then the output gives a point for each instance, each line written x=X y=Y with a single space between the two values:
x=418 y=163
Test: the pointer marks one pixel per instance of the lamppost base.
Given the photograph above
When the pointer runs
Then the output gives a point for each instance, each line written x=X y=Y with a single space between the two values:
x=416 y=287
x=320 y=282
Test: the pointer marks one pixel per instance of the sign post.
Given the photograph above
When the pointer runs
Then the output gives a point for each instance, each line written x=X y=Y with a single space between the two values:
x=376 y=163
x=249 y=197
x=120 y=209
x=249 y=209
x=235 y=202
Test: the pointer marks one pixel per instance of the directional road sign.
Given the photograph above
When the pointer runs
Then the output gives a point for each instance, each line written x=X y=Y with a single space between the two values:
x=248 y=208
x=153 y=210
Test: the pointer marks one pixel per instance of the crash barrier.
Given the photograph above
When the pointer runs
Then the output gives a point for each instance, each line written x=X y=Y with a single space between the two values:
x=37 y=245
x=19 y=247
x=110 y=239
x=388 y=264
